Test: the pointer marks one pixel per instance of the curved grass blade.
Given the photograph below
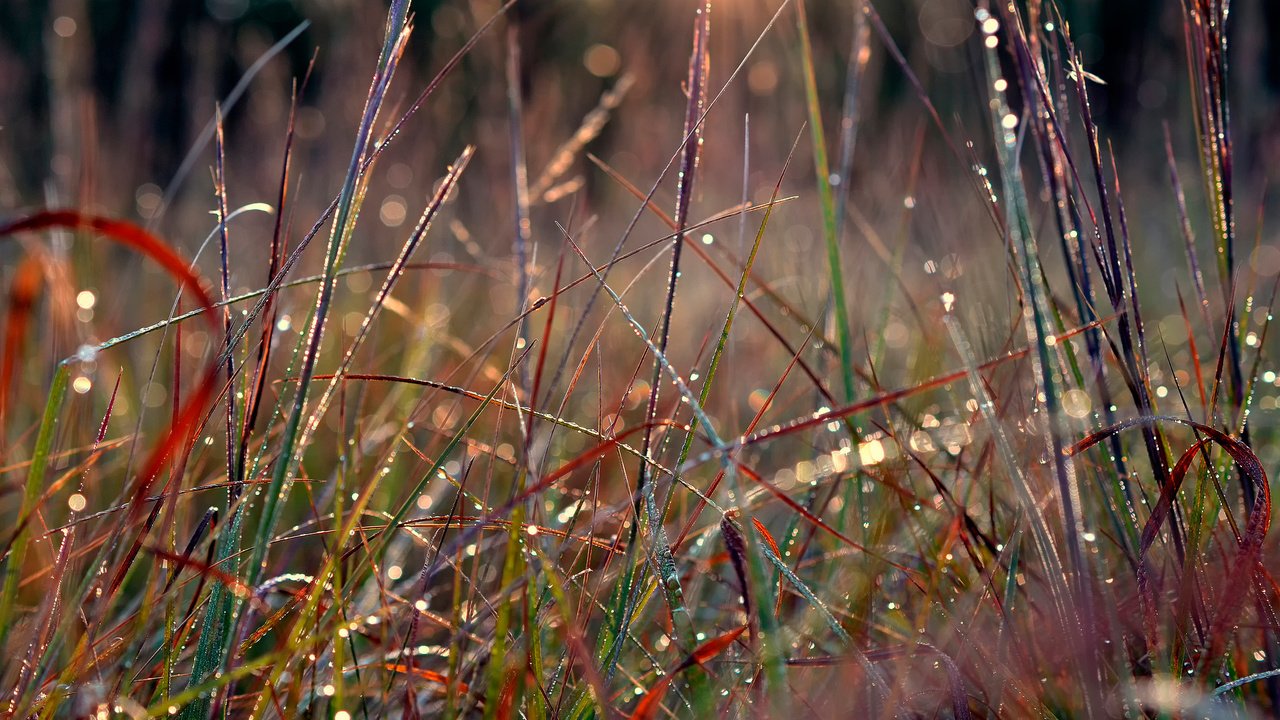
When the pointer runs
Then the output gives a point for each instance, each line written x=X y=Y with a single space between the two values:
x=149 y=245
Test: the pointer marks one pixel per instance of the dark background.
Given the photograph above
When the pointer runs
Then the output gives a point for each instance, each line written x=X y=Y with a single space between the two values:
x=149 y=70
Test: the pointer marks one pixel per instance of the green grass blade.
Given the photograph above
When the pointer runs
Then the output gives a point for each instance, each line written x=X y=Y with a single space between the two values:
x=826 y=198
x=30 y=495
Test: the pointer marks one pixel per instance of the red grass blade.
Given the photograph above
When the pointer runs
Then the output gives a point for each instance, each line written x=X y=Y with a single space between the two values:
x=648 y=706
x=23 y=294
x=127 y=234
x=1259 y=521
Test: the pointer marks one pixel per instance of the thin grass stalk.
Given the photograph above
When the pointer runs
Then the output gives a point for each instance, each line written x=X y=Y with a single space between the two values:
x=38 y=662
x=1055 y=164
x=1121 y=511
x=772 y=652
x=520 y=185
x=224 y=256
x=646 y=203
x=851 y=114
x=219 y=614
x=278 y=283
x=1205 y=27
x=1079 y=627
x=301 y=637
x=1188 y=235
x=213 y=638
x=45 y=618
x=830 y=221
x=267 y=294
x=1055 y=574
x=735 y=497
x=646 y=501
x=278 y=253
x=343 y=226
x=739 y=294
x=1122 y=292
x=596 y=692
x=501 y=666
x=788 y=309
x=144 y=243
x=506 y=676
x=337 y=379
x=30 y=495
x=226 y=104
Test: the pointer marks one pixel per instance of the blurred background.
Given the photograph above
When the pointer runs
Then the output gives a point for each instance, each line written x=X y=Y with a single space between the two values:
x=142 y=76
x=107 y=105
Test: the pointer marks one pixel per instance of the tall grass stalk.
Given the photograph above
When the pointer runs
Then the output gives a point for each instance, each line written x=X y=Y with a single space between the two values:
x=636 y=467
x=220 y=613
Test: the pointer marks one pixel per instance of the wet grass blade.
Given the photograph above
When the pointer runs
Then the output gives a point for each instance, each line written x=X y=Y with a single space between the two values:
x=649 y=704
x=17 y=550
x=826 y=199
x=220 y=613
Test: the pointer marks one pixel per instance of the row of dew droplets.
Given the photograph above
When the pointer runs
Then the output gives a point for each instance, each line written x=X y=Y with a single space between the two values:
x=1071 y=584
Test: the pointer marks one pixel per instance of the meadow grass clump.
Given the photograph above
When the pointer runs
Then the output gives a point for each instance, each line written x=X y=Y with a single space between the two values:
x=681 y=407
